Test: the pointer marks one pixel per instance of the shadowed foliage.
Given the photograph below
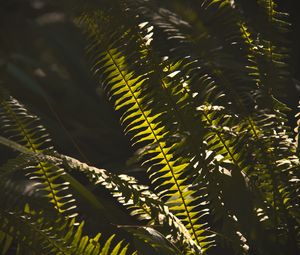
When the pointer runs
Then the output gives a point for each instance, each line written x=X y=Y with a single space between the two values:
x=175 y=120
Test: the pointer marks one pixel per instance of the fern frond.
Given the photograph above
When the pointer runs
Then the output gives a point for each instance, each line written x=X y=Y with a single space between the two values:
x=240 y=137
x=173 y=106
x=270 y=28
x=145 y=125
x=232 y=146
x=44 y=236
x=252 y=124
x=44 y=232
x=139 y=200
x=24 y=128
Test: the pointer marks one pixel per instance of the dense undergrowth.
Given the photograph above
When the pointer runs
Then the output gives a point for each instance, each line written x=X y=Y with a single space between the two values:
x=198 y=87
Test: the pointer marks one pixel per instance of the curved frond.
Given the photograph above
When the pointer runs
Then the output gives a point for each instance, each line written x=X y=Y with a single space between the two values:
x=24 y=128
x=142 y=203
x=137 y=198
x=40 y=235
x=145 y=124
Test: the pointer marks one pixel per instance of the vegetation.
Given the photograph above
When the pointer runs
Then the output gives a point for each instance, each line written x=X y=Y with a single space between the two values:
x=209 y=162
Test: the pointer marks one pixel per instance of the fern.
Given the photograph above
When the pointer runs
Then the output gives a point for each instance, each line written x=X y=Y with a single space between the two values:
x=256 y=126
x=29 y=228
x=197 y=86
x=126 y=91
x=146 y=126
x=22 y=127
x=43 y=236
x=139 y=200
x=186 y=116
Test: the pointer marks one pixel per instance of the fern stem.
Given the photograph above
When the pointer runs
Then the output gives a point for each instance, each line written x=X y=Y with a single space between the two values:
x=15 y=146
